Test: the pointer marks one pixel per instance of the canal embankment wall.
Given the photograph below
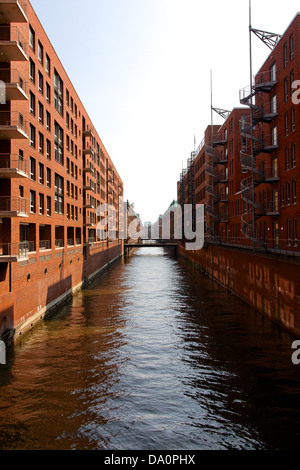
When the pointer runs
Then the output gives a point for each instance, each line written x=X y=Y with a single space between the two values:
x=268 y=283
x=48 y=285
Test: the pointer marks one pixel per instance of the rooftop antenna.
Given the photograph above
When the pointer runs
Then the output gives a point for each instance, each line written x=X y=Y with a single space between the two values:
x=269 y=39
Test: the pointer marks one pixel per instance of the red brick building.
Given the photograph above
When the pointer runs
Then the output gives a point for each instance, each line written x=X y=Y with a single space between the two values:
x=54 y=173
x=246 y=173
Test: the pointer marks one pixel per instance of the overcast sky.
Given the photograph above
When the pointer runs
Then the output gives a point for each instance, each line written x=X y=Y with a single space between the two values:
x=142 y=70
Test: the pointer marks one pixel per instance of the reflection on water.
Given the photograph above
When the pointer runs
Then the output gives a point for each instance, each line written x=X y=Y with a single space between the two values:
x=153 y=355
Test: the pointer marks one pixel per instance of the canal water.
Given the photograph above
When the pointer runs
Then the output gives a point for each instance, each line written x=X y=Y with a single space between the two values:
x=154 y=356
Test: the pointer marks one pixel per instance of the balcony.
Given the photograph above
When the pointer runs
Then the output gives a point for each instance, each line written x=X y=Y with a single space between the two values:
x=59 y=243
x=13 y=47
x=87 y=133
x=44 y=245
x=11 y=11
x=88 y=150
x=14 y=86
x=88 y=222
x=219 y=139
x=88 y=187
x=219 y=158
x=272 y=208
x=12 y=166
x=13 y=207
x=88 y=169
x=15 y=252
x=12 y=126
x=70 y=242
x=88 y=205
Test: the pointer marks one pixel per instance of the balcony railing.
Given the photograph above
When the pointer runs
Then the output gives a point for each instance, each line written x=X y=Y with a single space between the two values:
x=12 y=44
x=13 y=207
x=88 y=150
x=12 y=126
x=88 y=222
x=12 y=166
x=44 y=245
x=70 y=242
x=14 y=85
x=59 y=243
x=15 y=251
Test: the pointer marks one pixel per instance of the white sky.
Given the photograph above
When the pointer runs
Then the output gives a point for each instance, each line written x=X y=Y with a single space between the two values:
x=142 y=70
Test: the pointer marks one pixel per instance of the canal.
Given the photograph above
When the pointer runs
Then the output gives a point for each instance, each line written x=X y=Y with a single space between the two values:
x=153 y=355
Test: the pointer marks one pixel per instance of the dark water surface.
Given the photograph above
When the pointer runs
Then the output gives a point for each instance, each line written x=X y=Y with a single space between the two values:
x=153 y=356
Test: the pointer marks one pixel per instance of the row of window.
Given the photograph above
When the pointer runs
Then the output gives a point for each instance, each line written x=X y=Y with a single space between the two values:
x=44 y=59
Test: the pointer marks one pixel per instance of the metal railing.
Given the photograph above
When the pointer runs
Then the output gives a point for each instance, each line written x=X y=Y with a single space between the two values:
x=13 y=204
x=13 y=119
x=12 y=34
x=59 y=243
x=17 y=250
x=44 y=245
x=13 y=161
x=70 y=242
x=13 y=76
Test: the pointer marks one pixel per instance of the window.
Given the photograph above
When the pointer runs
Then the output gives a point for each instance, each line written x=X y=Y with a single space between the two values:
x=295 y=232
x=32 y=103
x=48 y=149
x=286 y=89
x=41 y=83
x=274 y=136
x=48 y=93
x=31 y=38
x=282 y=195
x=32 y=202
x=287 y=159
x=293 y=155
x=41 y=113
x=48 y=178
x=32 y=136
x=58 y=142
x=273 y=72
x=41 y=173
x=41 y=204
x=288 y=232
x=59 y=191
x=274 y=104
x=291 y=47
x=32 y=70
x=286 y=121
x=67 y=98
x=285 y=55
x=288 y=196
x=294 y=190
x=48 y=206
x=48 y=64
x=293 y=119
x=32 y=168
x=58 y=93
x=292 y=79
x=41 y=143
x=48 y=121
x=40 y=53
